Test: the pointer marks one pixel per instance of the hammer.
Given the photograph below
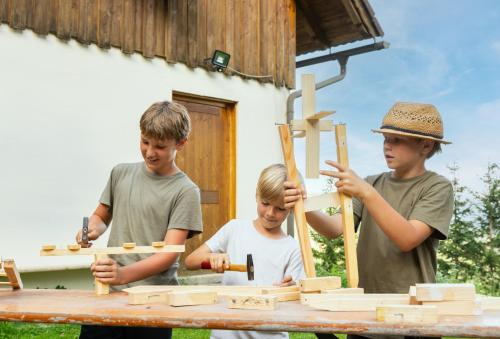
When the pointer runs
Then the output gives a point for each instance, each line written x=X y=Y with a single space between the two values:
x=239 y=268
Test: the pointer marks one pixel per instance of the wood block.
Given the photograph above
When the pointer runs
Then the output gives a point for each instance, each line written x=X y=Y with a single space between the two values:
x=320 y=115
x=140 y=298
x=73 y=247
x=319 y=283
x=280 y=290
x=252 y=302
x=300 y=126
x=445 y=292
x=190 y=298
x=413 y=296
x=12 y=274
x=99 y=287
x=490 y=303
x=128 y=245
x=322 y=201
x=158 y=244
x=457 y=307
x=48 y=247
x=410 y=314
x=353 y=290
x=353 y=304
x=307 y=298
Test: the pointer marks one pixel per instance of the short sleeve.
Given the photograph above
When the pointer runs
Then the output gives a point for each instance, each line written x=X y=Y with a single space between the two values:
x=295 y=267
x=219 y=241
x=435 y=208
x=186 y=214
x=107 y=194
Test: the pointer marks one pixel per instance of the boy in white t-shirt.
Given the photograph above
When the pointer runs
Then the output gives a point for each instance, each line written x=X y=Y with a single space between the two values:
x=276 y=256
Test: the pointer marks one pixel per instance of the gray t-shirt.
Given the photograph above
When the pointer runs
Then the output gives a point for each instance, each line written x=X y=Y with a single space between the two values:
x=273 y=259
x=383 y=268
x=144 y=207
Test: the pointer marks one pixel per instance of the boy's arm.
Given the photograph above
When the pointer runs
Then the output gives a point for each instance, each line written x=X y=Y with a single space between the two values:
x=218 y=261
x=109 y=272
x=406 y=234
x=329 y=226
x=98 y=224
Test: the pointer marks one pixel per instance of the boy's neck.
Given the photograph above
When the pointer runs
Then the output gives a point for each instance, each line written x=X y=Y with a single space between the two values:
x=271 y=233
x=166 y=171
x=403 y=173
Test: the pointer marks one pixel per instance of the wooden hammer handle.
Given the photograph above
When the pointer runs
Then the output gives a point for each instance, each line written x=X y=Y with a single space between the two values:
x=239 y=268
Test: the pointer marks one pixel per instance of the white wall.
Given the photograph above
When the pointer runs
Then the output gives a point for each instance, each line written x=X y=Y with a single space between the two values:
x=69 y=112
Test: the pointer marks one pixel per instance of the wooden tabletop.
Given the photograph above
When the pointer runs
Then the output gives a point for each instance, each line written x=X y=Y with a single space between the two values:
x=84 y=307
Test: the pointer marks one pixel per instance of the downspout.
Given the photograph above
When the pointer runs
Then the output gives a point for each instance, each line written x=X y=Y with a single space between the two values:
x=289 y=114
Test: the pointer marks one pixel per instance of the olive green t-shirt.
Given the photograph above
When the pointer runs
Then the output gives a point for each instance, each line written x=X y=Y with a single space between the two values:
x=144 y=207
x=383 y=267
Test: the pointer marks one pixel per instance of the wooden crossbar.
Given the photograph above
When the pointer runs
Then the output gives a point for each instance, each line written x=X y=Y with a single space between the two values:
x=113 y=250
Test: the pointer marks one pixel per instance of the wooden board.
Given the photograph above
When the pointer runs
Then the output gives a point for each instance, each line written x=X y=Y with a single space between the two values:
x=298 y=209
x=409 y=314
x=319 y=283
x=353 y=290
x=306 y=298
x=190 y=298
x=355 y=304
x=12 y=274
x=322 y=201
x=445 y=292
x=252 y=302
x=457 y=307
x=300 y=125
x=351 y=260
x=490 y=303
x=84 y=307
x=113 y=250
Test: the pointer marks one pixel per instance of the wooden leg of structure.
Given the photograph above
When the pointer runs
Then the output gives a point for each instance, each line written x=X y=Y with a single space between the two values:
x=12 y=274
x=100 y=288
x=298 y=210
x=351 y=259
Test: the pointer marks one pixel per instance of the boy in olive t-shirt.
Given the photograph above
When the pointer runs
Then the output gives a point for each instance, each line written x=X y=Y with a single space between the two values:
x=401 y=214
x=149 y=201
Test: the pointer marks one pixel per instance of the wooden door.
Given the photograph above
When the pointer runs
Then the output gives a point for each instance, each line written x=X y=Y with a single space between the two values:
x=209 y=159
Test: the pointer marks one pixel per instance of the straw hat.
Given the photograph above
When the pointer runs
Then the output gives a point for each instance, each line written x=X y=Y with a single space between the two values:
x=414 y=120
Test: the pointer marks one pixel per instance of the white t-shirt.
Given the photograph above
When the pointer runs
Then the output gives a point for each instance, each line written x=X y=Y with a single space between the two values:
x=273 y=259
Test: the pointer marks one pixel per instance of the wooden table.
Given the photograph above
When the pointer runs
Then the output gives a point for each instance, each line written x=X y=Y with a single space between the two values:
x=84 y=307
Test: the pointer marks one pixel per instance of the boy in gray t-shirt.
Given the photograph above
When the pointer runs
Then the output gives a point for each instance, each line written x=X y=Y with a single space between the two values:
x=276 y=256
x=148 y=201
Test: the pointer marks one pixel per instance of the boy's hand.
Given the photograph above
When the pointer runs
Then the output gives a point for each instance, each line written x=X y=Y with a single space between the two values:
x=219 y=262
x=287 y=281
x=93 y=234
x=108 y=271
x=292 y=193
x=349 y=182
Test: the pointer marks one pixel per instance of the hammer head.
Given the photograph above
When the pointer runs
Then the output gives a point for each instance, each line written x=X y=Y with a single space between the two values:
x=250 y=270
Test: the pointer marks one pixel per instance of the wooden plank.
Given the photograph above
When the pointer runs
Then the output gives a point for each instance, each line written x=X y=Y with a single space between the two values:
x=250 y=37
x=288 y=296
x=408 y=314
x=18 y=13
x=354 y=290
x=322 y=201
x=229 y=31
x=292 y=43
x=182 y=31
x=129 y=27
x=355 y=304
x=320 y=115
x=92 y=19
x=63 y=30
x=306 y=298
x=160 y=21
x=490 y=303
x=99 y=287
x=104 y=24
x=148 y=29
x=445 y=292
x=319 y=283
x=220 y=289
x=267 y=36
x=115 y=36
x=171 y=33
x=278 y=290
x=114 y=250
x=457 y=307
x=192 y=34
x=41 y=17
x=351 y=259
x=298 y=209
x=300 y=125
x=190 y=298
x=280 y=42
x=312 y=126
x=138 y=32
x=4 y=11
x=148 y=297
x=12 y=274
x=252 y=302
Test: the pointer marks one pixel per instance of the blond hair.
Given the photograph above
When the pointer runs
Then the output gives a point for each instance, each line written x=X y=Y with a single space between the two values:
x=270 y=185
x=166 y=121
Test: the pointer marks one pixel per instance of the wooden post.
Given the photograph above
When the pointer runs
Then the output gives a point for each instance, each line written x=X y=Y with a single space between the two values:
x=351 y=260
x=298 y=210
x=312 y=127
x=12 y=274
x=100 y=288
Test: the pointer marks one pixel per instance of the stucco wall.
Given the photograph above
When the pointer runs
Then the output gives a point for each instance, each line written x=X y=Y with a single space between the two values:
x=70 y=112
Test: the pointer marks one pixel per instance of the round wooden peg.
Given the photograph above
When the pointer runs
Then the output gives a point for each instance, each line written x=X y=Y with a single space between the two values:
x=128 y=245
x=158 y=244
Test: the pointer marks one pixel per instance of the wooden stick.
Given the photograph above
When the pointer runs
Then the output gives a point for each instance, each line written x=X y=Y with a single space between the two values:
x=113 y=250
x=351 y=259
x=12 y=274
x=298 y=209
x=322 y=201
x=100 y=288
x=312 y=126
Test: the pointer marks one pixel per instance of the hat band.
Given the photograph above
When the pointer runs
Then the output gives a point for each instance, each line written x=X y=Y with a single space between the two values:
x=412 y=131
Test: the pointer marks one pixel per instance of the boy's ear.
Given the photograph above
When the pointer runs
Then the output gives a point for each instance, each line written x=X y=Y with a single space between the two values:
x=428 y=145
x=181 y=143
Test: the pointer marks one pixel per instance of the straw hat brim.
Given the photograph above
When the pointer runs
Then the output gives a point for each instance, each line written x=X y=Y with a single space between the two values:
x=391 y=131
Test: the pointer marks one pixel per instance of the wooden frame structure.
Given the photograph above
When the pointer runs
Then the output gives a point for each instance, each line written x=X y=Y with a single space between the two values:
x=9 y=270
x=102 y=253
x=310 y=128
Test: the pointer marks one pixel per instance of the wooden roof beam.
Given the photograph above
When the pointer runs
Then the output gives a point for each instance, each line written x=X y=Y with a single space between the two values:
x=313 y=21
